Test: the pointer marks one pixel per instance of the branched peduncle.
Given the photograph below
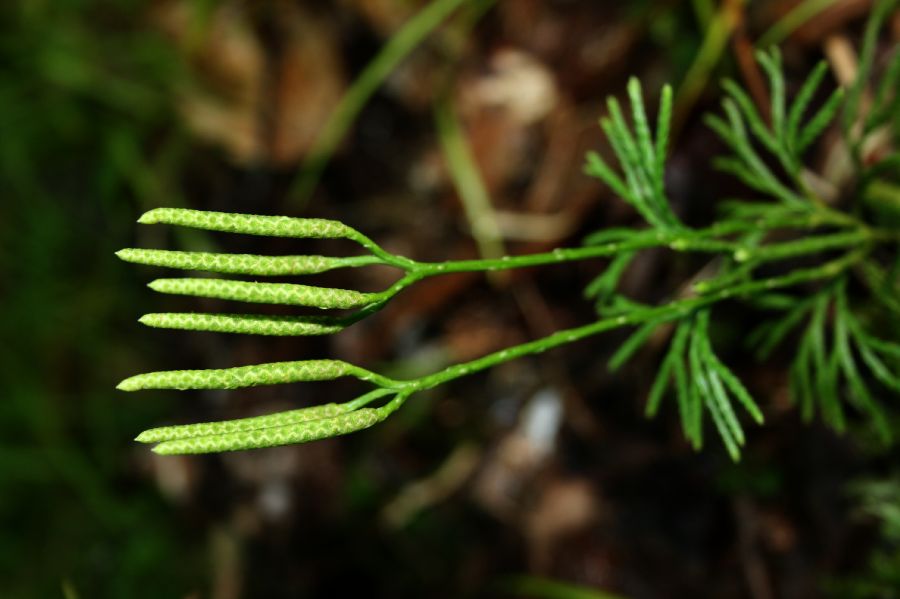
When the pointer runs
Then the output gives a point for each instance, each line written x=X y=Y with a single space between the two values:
x=792 y=225
x=666 y=313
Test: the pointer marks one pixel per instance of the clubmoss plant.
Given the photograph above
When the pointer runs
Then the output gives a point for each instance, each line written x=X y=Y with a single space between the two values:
x=828 y=271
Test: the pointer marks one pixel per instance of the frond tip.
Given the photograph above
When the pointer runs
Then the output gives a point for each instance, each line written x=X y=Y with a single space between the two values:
x=823 y=365
x=786 y=137
x=641 y=157
x=702 y=381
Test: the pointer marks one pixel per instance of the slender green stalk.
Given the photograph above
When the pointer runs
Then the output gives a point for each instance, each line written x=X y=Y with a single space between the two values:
x=697 y=240
x=669 y=312
x=472 y=193
x=708 y=55
x=851 y=117
x=786 y=25
x=369 y=80
x=703 y=11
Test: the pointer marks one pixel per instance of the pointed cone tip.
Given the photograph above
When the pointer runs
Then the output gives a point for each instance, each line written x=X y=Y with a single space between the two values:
x=148 y=218
x=127 y=385
x=145 y=437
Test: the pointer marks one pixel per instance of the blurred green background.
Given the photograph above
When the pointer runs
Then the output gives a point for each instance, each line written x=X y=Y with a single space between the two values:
x=88 y=141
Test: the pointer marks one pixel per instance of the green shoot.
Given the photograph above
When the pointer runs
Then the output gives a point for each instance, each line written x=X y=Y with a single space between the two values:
x=790 y=253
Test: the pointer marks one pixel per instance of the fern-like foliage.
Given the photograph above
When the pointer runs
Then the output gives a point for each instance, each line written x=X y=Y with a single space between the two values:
x=836 y=353
x=829 y=273
x=642 y=156
x=788 y=135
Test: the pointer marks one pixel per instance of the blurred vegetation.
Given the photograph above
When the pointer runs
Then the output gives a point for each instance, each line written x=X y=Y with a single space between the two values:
x=87 y=139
